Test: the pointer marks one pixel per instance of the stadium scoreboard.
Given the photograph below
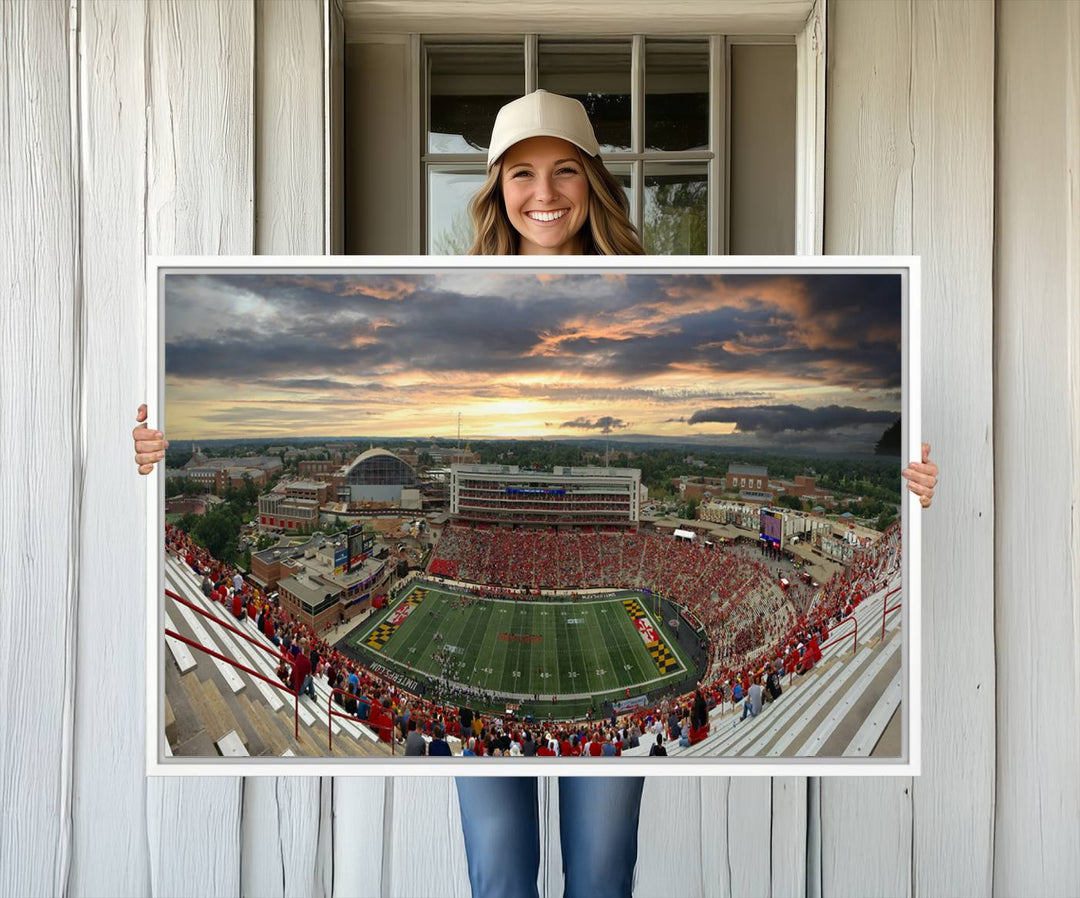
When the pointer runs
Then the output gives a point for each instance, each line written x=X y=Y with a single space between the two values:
x=361 y=543
x=772 y=525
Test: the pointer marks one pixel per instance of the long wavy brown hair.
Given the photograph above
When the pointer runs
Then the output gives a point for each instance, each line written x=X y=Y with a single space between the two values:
x=607 y=231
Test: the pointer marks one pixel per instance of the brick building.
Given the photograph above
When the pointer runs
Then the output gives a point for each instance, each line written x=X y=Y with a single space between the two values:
x=294 y=505
x=312 y=581
x=318 y=470
x=740 y=477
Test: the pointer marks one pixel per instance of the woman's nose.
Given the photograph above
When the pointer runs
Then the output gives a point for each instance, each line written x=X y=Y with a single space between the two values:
x=545 y=188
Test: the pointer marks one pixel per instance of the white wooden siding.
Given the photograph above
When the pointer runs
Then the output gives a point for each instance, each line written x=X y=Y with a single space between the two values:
x=953 y=132
x=41 y=452
x=1036 y=451
x=284 y=849
x=199 y=199
x=910 y=170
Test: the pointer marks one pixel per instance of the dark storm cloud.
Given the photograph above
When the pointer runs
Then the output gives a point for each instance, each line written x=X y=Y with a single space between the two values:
x=605 y=424
x=658 y=396
x=774 y=419
x=319 y=385
x=837 y=330
x=757 y=339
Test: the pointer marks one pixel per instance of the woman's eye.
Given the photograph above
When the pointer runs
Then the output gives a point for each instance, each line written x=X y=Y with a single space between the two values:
x=522 y=173
x=567 y=171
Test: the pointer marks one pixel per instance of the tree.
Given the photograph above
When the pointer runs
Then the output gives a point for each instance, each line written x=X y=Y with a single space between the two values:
x=885 y=519
x=188 y=521
x=217 y=532
x=889 y=444
x=790 y=502
x=457 y=238
x=249 y=491
x=265 y=541
x=676 y=217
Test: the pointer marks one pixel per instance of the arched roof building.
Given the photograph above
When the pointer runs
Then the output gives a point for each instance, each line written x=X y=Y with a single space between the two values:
x=379 y=476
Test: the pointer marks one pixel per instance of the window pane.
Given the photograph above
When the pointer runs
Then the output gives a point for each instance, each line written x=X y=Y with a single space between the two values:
x=467 y=85
x=449 y=191
x=597 y=74
x=676 y=209
x=623 y=174
x=676 y=95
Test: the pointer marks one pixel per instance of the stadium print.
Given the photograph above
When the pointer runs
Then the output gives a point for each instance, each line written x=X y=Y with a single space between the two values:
x=490 y=512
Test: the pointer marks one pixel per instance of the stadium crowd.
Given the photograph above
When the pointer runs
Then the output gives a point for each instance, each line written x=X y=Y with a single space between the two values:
x=730 y=590
x=773 y=642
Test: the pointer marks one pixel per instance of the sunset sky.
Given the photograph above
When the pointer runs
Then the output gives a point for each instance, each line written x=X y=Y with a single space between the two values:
x=750 y=360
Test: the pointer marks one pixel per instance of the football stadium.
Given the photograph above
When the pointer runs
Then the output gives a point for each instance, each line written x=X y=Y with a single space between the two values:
x=566 y=655
x=545 y=618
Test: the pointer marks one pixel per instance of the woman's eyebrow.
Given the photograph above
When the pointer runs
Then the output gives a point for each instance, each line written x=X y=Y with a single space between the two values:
x=570 y=159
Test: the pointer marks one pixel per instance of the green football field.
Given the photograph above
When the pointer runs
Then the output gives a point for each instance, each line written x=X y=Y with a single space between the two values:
x=564 y=649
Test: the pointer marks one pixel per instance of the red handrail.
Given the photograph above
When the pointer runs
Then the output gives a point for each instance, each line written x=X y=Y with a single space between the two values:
x=885 y=609
x=855 y=634
x=854 y=643
x=331 y=713
x=254 y=673
x=279 y=655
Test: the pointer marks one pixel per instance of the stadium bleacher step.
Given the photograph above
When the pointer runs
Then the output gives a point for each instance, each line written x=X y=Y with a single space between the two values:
x=180 y=652
x=842 y=707
x=866 y=738
x=265 y=714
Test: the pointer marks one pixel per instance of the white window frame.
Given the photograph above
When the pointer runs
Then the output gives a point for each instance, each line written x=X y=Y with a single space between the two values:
x=809 y=42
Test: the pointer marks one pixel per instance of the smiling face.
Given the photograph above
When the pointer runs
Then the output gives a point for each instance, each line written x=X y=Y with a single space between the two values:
x=546 y=195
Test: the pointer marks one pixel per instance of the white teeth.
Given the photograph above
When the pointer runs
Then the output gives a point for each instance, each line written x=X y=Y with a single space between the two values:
x=546 y=216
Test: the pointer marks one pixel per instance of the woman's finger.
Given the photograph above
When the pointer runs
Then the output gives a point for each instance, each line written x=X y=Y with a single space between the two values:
x=925 y=479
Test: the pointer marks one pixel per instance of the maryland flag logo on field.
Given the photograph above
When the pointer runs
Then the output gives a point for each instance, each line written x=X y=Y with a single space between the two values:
x=383 y=633
x=660 y=653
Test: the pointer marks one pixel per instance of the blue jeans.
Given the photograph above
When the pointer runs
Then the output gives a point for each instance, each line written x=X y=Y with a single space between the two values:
x=598 y=823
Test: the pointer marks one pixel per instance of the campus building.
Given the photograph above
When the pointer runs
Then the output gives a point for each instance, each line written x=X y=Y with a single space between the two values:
x=378 y=476
x=741 y=477
x=503 y=494
x=317 y=584
x=294 y=505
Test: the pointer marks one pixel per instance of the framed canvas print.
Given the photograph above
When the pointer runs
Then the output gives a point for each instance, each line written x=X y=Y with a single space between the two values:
x=486 y=516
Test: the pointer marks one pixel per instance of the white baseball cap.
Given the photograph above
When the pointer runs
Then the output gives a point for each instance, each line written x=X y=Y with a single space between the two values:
x=541 y=114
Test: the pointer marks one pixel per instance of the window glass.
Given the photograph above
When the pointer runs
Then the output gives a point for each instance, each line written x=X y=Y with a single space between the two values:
x=676 y=95
x=597 y=74
x=467 y=85
x=623 y=175
x=449 y=192
x=676 y=208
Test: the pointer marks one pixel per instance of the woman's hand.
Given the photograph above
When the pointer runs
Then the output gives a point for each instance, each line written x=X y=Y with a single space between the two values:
x=922 y=477
x=150 y=445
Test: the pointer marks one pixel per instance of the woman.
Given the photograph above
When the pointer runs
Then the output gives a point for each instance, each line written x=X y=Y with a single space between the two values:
x=547 y=193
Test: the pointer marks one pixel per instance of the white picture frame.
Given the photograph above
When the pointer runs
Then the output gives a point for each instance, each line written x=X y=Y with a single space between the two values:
x=908 y=763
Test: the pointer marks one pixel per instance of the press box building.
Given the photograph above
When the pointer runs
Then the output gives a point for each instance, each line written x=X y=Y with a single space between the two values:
x=565 y=497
